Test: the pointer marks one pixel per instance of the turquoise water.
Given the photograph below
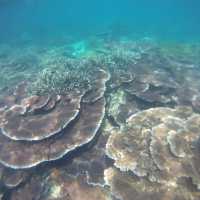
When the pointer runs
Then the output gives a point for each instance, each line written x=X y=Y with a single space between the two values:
x=50 y=20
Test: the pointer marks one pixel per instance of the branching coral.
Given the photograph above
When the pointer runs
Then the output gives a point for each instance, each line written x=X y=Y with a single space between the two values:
x=63 y=77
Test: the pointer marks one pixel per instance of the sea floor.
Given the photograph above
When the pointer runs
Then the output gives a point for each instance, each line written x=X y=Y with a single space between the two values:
x=100 y=119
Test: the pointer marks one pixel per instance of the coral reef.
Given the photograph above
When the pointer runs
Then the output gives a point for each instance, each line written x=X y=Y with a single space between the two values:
x=25 y=154
x=38 y=118
x=59 y=78
x=98 y=86
x=128 y=187
x=100 y=119
x=92 y=163
x=17 y=64
x=120 y=106
x=159 y=144
x=11 y=178
x=60 y=186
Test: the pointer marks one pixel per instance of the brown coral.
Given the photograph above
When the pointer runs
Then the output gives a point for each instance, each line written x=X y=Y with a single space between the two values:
x=98 y=86
x=11 y=178
x=26 y=154
x=32 y=121
x=61 y=187
x=160 y=144
x=45 y=128
x=128 y=187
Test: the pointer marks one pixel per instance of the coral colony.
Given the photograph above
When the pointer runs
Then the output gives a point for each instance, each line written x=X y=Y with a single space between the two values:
x=122 y=122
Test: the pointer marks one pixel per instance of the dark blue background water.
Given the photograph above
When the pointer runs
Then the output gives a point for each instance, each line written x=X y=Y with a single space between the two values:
x=50 y=19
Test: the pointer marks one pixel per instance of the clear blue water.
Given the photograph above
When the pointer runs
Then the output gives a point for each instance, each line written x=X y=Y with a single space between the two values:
x=42 y=20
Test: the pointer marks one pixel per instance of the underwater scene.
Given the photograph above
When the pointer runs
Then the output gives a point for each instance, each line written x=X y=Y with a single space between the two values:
x=99 y=100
